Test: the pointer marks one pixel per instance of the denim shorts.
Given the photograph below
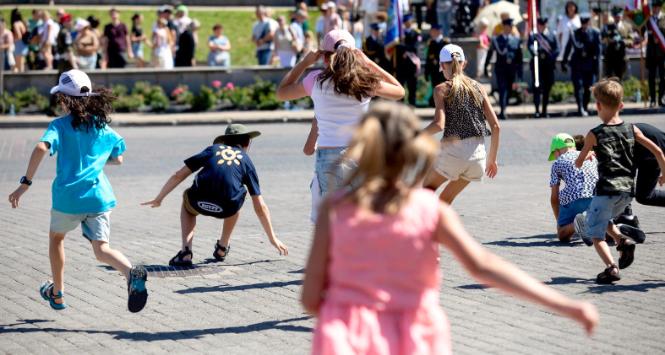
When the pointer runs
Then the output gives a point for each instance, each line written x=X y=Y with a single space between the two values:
x=329 y=170
x=95 y=226
x=568 y=212
x=601 y=212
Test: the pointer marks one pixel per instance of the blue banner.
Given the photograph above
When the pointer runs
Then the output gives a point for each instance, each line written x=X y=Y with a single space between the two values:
x=394 y=29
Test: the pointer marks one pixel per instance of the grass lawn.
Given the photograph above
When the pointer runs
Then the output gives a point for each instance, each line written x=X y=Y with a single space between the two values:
x=237 y=26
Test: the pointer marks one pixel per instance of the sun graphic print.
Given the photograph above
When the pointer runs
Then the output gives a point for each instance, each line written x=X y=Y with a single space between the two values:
x=229 y=156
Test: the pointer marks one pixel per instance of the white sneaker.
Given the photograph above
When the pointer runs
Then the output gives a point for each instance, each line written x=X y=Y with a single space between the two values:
x=580 y=228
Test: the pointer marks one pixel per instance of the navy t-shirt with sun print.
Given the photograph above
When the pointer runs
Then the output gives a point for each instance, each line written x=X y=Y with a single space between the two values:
x=227 y=174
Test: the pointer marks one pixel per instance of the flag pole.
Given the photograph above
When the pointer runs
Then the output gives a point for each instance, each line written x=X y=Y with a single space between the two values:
x=534 y=30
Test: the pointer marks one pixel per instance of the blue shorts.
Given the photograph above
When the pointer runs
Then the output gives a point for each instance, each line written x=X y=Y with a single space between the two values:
x=568 y=212
x=95 y=226
x=601 y=212
x=328 y=169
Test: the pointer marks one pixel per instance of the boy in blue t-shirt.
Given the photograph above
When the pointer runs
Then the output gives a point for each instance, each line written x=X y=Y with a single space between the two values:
x=579 y=184
x=226 y=175
x=81 y=193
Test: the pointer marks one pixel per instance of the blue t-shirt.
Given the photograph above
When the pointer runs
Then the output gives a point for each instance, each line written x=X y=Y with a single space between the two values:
x=80 y=185
x=225 y=171
x=579 y=183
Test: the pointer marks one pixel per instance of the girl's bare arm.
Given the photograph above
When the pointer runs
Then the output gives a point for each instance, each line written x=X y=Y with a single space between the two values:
x=316 y=274
x=439 y=122
x=497 y=272
x=33 y=164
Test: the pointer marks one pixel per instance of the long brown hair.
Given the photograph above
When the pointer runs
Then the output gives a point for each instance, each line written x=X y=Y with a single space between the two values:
x=348 y=74
x=462 y=85
x=392 y=157
x=88 y=111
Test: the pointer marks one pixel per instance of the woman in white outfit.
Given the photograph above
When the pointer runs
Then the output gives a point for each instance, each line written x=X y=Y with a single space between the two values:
x=163 y=42
x=286 y=44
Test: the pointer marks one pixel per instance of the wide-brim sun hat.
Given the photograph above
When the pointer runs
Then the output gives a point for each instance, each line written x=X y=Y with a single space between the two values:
x=237 y=129
x=73 y=83
x=336 y=38
x=446 y=53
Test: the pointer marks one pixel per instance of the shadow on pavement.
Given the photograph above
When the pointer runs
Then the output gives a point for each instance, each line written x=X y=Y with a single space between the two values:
x=225 y=288
x=565 y=280
x=173 y=335
x=541 y=240
x=24 y=321
x=643 y=287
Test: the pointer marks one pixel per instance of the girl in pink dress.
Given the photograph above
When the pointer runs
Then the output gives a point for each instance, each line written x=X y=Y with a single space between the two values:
x=373 y=274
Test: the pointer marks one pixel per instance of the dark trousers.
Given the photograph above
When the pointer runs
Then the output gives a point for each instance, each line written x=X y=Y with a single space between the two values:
x=116 y=60
x=653 y=67
x=504 y=83
x=615 y=67
x=646 y=183
x=582 y=82
x=408 y=78
x=546 y=80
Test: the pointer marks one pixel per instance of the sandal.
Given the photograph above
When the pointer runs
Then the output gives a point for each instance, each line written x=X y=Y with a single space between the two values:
x=627 y=248
x=136 y=290
x=218 y=247
x=46 y=290
x=633 y=233
x=178 y=259
x=606 y=277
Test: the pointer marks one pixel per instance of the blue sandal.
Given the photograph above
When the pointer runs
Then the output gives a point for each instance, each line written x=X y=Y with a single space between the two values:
x=46 y=290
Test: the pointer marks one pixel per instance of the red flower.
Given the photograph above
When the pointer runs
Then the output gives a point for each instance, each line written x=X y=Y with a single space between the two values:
x=216 y=84
x=177 y=91
x=230 y=86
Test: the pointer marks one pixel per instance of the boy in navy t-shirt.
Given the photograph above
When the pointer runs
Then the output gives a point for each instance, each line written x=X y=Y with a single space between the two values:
x=226 y=174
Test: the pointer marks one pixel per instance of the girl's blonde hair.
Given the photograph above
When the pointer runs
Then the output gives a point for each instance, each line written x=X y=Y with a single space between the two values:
x=460 y=84
x=392 y=157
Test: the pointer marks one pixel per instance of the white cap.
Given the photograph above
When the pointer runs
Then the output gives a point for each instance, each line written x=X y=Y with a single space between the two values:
x=73 y=83
x=332 y=4
x=446 y=54
x=80 y=24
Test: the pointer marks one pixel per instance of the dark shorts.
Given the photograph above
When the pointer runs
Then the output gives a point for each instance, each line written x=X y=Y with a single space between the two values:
x=197 y=206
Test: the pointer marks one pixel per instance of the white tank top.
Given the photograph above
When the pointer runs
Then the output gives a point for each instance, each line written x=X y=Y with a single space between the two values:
x=336 y=115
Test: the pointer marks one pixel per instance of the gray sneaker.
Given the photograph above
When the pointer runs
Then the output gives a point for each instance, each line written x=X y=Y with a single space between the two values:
x=580 y=228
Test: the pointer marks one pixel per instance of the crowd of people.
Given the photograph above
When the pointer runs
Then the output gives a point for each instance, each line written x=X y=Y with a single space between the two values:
x=66 y=42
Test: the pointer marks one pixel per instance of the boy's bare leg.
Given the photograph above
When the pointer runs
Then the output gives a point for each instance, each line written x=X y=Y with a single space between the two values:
x=187 y=224
x=227 y=229
x=614 y=232
x=116 y=259
x=566 y=232
x=56 y=253
x=604 y=252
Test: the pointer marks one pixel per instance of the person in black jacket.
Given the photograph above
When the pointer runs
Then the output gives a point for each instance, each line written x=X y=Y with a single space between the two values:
x=375 y=49
x=584 y=43
x=408 y=62
x=184 y=56
x=548 y=51
x=508 y=65
x=432 y=66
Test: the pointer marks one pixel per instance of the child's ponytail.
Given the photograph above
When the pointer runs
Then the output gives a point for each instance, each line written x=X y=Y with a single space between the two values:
x=392 y=156
x=460 y=84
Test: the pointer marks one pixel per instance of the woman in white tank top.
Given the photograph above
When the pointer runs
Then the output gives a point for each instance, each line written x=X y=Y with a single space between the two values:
x=341 y=93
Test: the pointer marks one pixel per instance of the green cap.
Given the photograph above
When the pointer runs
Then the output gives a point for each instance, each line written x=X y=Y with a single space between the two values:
x=182 y=8
x=237 y=129
x=560 y=141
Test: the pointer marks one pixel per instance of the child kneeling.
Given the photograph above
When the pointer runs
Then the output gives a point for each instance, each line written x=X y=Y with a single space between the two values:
x=219 y=190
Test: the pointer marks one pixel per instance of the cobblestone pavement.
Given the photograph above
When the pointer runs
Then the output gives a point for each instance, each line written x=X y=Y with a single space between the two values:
x=249 y=304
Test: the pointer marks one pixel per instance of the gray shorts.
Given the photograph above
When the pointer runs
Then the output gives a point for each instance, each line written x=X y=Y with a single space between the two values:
x=95 y=226
x=602 y=210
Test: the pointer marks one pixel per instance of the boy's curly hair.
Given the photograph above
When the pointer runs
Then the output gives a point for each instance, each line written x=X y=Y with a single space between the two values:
x=88 y=111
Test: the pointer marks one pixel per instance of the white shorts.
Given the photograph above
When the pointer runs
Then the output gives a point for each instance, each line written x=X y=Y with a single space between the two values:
x=462 y=159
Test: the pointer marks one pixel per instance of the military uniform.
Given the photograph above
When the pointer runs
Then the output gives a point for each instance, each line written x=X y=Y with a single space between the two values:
x=408 y=62
x=376 y=51
x=655 y=60
x=432 y=66
x=614 y=51
x=548 y=51
x=508 y=66
x=584 y=43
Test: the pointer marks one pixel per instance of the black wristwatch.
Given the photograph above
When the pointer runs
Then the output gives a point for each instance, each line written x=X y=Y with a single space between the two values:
x=25 y=181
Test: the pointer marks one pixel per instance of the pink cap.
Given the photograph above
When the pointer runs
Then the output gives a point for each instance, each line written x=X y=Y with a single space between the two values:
x=332 y=40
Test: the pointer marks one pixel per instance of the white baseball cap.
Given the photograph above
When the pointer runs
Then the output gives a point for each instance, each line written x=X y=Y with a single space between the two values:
x=446 y=54
x=73 y=83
